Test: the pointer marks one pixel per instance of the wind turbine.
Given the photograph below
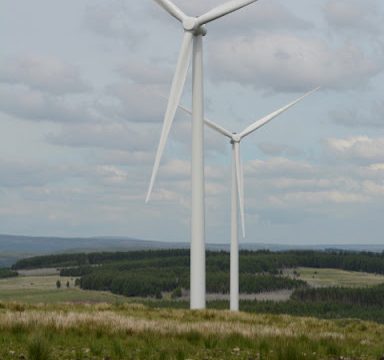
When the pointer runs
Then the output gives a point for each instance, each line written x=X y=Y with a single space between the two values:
x=237 y=194
x=194 y=31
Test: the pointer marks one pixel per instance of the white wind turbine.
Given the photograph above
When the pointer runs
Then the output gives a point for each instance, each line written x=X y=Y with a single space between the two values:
x=194 y=31
x=237 y=195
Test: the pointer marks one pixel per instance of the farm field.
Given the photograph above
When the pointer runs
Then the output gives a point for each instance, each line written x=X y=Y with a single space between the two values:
x=334 y=277
x=130 y=331
x=42 y=289
x=39 y=285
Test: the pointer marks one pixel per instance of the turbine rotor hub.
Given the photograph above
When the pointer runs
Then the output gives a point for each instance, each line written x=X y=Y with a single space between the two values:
x=191 y=24
x=236 y=138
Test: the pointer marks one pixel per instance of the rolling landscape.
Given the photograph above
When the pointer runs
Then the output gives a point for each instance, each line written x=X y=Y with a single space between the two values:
x=13 y=247
x=294 y=304
x=191 y=180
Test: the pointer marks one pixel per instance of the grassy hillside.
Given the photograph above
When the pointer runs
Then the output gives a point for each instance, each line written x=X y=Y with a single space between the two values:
x=42 y=289
x=132 y=331
x=317 y=277
x=39 y=321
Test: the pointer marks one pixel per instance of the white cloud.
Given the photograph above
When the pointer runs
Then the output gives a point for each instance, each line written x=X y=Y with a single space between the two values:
x=286 y=62
x=278 y=149
x=360 y=117
x=121 y=157
x=278 y=166
x=271 y=15
x=372 y=188
x=43 y=73
x=136 y=102
x=27 y=173
x=308 y=198
x=28 y=104
x=111 y=136
x=377 y=167
x=354 y=15
x=112 y=19
x=111 y=175
x=357 y=148
x=144 y=72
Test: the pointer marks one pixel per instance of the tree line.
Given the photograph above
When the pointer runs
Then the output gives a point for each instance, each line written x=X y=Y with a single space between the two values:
x=152 y=282
x=7 y=273
x=95 y=258
x=369 y=296
x=150 y=273
x=250 y=261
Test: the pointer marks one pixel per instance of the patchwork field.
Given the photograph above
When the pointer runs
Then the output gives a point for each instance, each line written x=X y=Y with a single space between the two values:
x=42 y=289
x=35 y=286
x=335 y=277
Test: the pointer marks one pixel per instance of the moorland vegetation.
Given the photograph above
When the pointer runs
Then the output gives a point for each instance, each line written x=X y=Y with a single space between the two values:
x=160 y=279
x=133 y=331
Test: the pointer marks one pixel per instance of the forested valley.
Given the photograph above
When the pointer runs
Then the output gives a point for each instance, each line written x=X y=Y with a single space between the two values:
x=151 y=274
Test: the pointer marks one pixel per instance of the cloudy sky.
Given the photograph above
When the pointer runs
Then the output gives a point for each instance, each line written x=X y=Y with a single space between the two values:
x=81 y=111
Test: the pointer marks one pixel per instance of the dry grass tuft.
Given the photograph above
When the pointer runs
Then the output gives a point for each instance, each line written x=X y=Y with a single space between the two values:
x=138 y=319
x=200 y=333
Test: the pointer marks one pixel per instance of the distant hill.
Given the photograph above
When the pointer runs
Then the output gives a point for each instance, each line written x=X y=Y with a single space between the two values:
x=47 y=245
x=13 y=247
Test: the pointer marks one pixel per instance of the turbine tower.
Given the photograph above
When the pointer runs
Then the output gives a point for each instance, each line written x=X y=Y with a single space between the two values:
x=237 y=194
x=194 y=31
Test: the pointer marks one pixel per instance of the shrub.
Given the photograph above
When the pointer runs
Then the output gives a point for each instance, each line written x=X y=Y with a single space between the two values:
x=118 y=349
x=7 y=273
x=177 y=293
x=96 y=348
x=38 y=349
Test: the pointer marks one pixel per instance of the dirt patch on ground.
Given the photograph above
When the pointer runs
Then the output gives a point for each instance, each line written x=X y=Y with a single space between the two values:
x=39 y=272
x=279 y=295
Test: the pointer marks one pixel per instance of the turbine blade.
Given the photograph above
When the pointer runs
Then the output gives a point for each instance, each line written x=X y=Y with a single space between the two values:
x=210 y=123
x=240 y=186
x=218 y=128
x=172 y=9
x=174 y=99
x=223 y=10
x=185 y=109
x=259 y=123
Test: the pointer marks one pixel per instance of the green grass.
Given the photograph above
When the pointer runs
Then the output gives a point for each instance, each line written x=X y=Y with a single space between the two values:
x=42 y=289
x=59 y=296
x=131 y=331
x=99 y=325
x=32 y=282
x=334 y=277
x=39 y=348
